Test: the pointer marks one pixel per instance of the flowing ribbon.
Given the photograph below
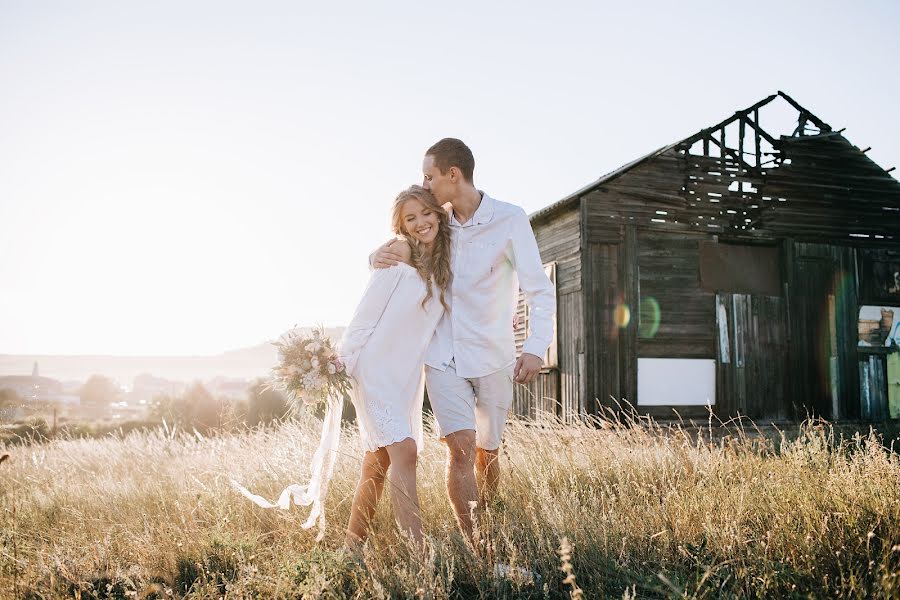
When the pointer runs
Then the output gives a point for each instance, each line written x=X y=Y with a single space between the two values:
x=312 y=494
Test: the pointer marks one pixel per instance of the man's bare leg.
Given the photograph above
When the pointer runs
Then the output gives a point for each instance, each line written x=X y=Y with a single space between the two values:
x=487 y=471
x=461 y=485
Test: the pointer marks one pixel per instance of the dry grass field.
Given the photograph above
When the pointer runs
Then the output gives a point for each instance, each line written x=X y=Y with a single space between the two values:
x=647 y=511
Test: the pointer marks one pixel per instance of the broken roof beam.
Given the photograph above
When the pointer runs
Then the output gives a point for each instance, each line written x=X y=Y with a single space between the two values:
x=688 y=142
x=734 y=155
x=822 y=125
x=760 y=130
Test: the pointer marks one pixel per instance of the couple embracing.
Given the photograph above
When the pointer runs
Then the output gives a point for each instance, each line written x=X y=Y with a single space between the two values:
x=443 y=296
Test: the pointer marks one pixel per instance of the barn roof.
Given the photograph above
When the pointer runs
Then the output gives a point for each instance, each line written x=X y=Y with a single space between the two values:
x=811 y=134
x=574 y=196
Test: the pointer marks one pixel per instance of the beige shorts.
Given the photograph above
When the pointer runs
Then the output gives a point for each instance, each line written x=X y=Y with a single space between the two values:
x=479 y=403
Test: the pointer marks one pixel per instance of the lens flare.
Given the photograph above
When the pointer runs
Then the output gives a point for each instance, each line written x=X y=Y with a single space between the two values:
x=622 y=316
x=650 y=314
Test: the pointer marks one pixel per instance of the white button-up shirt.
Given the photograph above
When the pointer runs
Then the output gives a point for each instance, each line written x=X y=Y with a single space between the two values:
x=494 y=254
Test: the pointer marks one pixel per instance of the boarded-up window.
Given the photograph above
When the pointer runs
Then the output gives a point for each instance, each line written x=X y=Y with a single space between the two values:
x=676 y=382
x=523 y=329
x=740 y=269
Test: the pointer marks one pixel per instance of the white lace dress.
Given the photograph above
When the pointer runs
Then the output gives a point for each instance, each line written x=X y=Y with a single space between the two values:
x=384 y=351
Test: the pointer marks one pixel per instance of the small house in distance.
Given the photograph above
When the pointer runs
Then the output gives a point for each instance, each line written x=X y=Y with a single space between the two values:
x=747 y=269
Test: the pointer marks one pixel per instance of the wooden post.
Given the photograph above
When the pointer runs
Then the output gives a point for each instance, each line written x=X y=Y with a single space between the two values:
x=758 y=138
x=723 y=154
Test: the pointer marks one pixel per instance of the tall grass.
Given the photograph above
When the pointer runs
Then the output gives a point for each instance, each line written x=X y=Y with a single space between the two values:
x=636 y=509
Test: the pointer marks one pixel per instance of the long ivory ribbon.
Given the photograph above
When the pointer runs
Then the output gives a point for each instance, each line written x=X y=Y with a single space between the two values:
x=323 y=461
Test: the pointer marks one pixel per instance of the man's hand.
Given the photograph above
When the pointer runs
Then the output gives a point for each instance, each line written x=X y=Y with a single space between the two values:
x=527 y=367
x=390 y=253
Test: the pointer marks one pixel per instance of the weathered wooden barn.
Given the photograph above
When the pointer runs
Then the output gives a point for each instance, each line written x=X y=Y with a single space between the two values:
x=735 y=270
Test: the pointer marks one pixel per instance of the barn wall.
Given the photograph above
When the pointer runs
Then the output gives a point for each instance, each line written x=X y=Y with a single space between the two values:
x=669 y=274
x=602 y=293
x=559 y=391
x=570 y=333
x=559 y=240
x=656 y=274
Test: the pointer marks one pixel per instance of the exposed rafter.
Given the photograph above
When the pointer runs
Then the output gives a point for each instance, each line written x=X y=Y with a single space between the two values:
x=755 y=173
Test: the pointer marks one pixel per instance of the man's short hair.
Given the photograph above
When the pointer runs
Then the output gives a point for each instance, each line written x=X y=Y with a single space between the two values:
x=451 y=152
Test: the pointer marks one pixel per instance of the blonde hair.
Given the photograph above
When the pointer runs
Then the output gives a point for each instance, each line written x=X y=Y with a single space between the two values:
x=433 y=266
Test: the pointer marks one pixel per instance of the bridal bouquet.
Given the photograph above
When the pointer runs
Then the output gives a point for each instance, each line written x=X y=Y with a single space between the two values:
x=309 y=370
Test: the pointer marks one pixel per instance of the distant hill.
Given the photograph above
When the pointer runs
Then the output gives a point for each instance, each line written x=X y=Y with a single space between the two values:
x=242 y=363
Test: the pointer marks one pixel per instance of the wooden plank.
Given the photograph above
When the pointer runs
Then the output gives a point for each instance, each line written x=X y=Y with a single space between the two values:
x=571 y=355
x=630 y=286
x=585 y=357
x=603 y=300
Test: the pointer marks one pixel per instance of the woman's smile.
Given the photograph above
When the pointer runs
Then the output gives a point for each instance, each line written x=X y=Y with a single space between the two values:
x=420 y=221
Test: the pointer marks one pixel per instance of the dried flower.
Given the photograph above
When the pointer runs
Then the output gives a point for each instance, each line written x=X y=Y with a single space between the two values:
x=309 y=371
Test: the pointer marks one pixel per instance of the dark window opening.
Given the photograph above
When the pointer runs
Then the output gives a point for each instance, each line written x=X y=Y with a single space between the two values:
x=740 y=269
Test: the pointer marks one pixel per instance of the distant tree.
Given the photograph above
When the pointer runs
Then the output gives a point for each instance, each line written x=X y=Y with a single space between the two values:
x=99 y=391
x=163 y=407
x=205 y=410
x=196 y=409
x=9 y=402
x=265 y=405
x=9 y=398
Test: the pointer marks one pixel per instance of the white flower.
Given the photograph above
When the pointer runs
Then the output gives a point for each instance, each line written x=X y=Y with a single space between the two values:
x=313 y=347
x=314 y=362
x=332 y=369
x=307 y=379
x=313 y=382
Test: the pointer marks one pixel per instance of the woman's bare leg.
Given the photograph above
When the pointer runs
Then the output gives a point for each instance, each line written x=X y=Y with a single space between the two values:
x=402 y=477
x=368 y=491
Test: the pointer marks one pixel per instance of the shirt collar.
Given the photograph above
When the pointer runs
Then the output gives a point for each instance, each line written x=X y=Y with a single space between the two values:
x=483 y=214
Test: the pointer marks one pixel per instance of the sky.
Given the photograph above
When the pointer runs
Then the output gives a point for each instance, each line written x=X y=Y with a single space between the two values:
x=184 y=178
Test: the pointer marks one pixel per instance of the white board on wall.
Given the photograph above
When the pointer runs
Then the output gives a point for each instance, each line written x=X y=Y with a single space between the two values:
x=676 y=381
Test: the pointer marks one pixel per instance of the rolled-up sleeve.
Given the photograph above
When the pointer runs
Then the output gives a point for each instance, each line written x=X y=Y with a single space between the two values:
x=382 y=284
x=540 y=294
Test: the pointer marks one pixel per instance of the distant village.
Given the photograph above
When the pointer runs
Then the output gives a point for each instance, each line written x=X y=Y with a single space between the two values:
x=36 y=392
x=121 y=389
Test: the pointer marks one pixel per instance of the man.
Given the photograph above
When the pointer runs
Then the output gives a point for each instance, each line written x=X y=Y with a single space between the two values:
x=470 y=363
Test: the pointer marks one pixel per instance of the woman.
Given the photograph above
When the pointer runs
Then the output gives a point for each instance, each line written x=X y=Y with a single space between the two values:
x=383 y=350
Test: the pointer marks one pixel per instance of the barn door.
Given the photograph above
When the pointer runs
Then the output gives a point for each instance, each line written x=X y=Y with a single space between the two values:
x=824 y=332
x=752 y=344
